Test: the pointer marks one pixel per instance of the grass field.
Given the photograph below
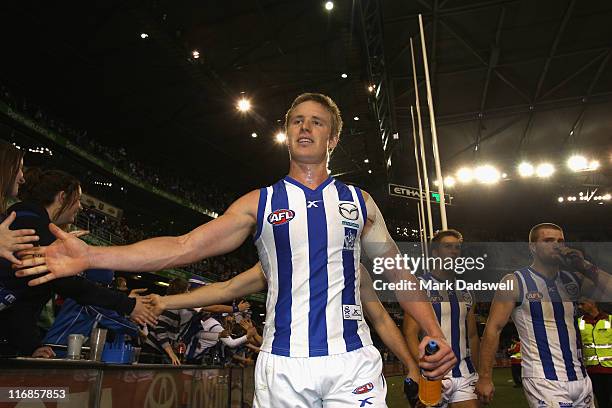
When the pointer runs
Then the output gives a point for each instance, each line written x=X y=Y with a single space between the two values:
x=506 y=396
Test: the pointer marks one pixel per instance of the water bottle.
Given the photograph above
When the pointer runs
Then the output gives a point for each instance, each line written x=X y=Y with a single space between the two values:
x=181 y=348
x=430 y=391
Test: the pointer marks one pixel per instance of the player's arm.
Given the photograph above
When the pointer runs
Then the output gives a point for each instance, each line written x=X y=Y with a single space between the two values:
x=411 y=330
x=384 y=325
x=69 y=255
x=250 y=281
x=377 y=243
x=473 y=338
x=501 y=309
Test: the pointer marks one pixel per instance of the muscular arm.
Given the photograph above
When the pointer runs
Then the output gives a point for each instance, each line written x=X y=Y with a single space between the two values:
x=250 y=281
x=219 y=236
x=596 y=285
x=378 y=243
x=69 y=255
x=411 y=330
x=473 y=338
x=384 y=325
x=500 y=312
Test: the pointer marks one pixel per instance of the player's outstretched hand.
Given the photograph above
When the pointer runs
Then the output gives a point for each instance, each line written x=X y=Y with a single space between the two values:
x=157 y=304
x=143 y=312
x=14 y=240
x=438 y=364
x=485 y=390
x=67 y=256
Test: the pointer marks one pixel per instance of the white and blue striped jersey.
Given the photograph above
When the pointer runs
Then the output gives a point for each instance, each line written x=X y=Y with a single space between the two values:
x=546 y=322
x=452 y=308
x=309 y=245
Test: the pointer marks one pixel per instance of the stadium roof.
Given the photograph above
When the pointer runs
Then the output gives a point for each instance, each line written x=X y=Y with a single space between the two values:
x=511 y=79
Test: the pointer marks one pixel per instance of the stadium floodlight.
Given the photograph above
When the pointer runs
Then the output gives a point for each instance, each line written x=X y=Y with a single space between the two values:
x=577 y=163
x=356 y=118
x=244 y=105
x=369 y=171
x=144 y=35
x=329 y=6
x=525 y=169
x=196 y=54
x=344 y=76
x=560 y=199
x=593 y=165
x=253 y=134
x=545 y=170
x=487 y=174
x=465 y=175
x=607 y=197
x=449 y=181
x=281 y=137
x=370 y=88
x=366 y=160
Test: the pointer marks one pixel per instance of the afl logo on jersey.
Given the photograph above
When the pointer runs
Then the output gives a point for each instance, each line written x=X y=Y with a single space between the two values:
x=348 y=211
x=280 y=217
x=534 y=296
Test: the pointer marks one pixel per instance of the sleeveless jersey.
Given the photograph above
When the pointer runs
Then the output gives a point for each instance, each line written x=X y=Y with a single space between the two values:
x=309 y=246
x=546 y=322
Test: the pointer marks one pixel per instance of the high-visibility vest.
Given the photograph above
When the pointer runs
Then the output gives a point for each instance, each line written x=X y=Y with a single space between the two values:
x=596 y=342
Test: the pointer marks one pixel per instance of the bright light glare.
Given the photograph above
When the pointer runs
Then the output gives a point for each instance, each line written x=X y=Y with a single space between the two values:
x=281 y=137
x=253 y=134
x=487 y=174
x=526 y=169
x=144 y=35
x=577 y=163
x=560 y=199
x=465 y=175
x=244 y=105
x=594 y=165
x=545 y=170
x=449 y=181
x=344 y=76
x=329 y=5
x=196 y=54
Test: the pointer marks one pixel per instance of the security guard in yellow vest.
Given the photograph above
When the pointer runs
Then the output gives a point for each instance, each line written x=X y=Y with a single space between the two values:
x=596 y=332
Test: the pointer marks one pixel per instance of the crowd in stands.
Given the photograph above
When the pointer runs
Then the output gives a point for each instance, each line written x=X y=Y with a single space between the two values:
x=201 y=192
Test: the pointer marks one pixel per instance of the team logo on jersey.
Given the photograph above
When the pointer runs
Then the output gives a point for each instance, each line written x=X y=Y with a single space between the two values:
x=534 y=296
x=572 y=289
x=280 y=217
x=348 y=211
x=364 y=388
x=351 y=312
x=313 y=204
x=565 y=404
x=365 y=402
x=350 y=236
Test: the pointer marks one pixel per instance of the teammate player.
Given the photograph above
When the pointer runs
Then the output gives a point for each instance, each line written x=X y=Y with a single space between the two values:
x=542 y=306
x=309 y=229
x=455 y=314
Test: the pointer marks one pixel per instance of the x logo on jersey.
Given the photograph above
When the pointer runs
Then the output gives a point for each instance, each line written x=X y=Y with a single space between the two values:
x=366 y=401
x=310 y=204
